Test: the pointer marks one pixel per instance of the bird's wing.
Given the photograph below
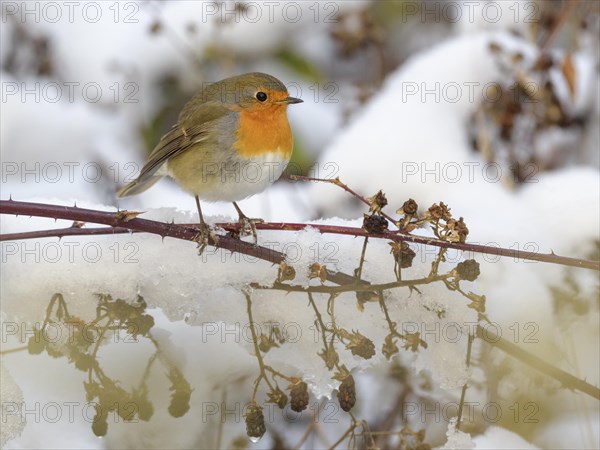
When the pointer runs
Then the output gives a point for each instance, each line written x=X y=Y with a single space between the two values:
x=182 y=136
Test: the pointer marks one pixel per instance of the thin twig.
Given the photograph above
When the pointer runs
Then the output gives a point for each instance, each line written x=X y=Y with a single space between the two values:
x=345 y=187
x=305 y=435
x=14 y=350
x=349 y=287
x=313 y=426
x=362 y=258
x=464 y=388
x=344 y=436
x=566 y=379
x=259 y=358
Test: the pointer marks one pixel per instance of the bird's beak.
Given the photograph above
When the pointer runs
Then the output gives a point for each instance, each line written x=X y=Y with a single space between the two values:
x=290 y=100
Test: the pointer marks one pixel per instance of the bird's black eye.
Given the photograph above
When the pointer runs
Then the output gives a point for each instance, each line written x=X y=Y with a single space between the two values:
x=261 y=96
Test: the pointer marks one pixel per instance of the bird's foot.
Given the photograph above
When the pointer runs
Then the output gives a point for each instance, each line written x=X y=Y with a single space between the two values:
x=204 y=237
x=247 y=227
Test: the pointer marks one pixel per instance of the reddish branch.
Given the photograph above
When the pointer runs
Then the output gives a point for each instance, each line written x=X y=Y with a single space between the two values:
x=188 y=232
x=121 y=225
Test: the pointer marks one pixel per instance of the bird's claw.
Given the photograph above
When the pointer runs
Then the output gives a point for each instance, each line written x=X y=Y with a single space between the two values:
x=204 y=237
x=247 y=227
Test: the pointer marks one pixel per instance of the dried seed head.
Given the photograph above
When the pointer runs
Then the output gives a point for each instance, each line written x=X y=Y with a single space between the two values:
x=468 y=270
x=377 y=202
x=359 y=345
x=347 y=393
x=409 y=208
x=299 y=395
x=374 y=223
x=278 y=397
x=255 y=422
x=437 y=212
x=317 y=270
x=286 y=272
x=403 y=254
x=266 y=343
x=456 y=230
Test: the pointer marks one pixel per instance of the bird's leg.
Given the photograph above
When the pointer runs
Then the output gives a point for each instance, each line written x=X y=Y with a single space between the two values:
x=247 y=224
x=205 y=233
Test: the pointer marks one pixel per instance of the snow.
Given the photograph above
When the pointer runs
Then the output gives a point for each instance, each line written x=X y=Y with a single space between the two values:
x=410 y=140
x=457 y=440
x=496 y=438
x=12 y=398
x=567 y=431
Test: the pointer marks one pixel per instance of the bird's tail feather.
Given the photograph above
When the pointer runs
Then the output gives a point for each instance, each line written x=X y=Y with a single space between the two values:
x=137 y=186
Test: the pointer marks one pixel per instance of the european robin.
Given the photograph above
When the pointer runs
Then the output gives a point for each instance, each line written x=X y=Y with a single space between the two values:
x=232 y=140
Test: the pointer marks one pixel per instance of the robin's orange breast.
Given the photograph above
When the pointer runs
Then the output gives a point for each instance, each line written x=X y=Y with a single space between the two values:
x=264 y=131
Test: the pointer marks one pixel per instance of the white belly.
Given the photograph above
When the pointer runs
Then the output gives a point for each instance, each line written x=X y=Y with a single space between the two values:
x=237 y=179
